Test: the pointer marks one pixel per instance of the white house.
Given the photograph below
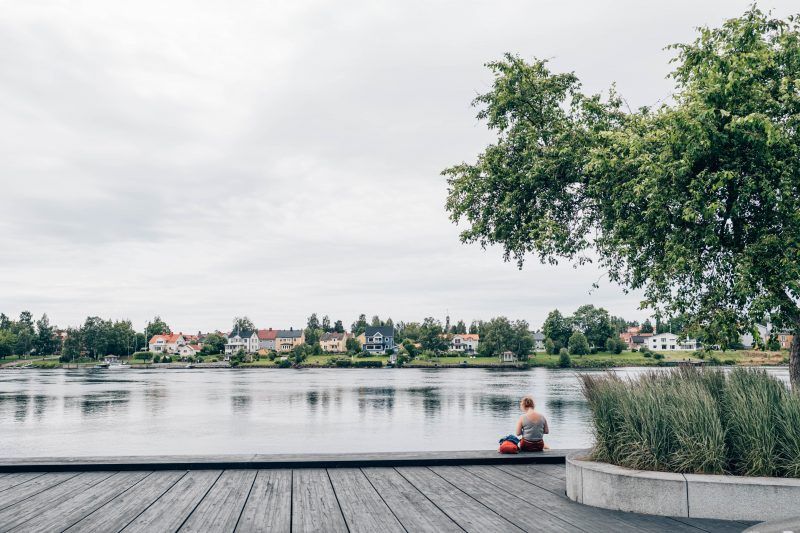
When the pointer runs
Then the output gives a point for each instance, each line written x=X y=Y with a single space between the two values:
x=245 y=339
x=465 y=342
x=189 y=350
x=669 y=342
x=166 y=343
x=538 y=341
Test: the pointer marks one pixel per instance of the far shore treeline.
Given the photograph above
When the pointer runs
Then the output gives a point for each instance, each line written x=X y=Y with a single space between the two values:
x=588 y=330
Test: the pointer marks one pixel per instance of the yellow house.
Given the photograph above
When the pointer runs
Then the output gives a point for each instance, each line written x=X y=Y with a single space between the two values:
x=361 y=339
x=334 y=342
x=287 y=339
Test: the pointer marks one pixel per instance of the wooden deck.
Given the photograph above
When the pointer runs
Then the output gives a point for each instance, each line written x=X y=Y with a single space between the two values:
x=482 y=498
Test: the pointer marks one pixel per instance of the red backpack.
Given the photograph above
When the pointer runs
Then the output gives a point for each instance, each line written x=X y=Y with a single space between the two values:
x=508 y=447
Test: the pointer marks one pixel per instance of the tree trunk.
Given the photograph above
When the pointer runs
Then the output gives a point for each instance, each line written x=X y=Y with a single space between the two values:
x=794 y=362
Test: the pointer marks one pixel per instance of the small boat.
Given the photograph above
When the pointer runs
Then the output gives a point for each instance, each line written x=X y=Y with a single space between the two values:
x=190 y=365
x=117 y=366
x=101 y=365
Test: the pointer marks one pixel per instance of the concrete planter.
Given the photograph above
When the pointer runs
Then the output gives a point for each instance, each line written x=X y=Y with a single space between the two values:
x=690 y=495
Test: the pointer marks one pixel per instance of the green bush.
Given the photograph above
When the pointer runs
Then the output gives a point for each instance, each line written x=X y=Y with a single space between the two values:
x=156 y=358
x=367 y=364
x=658 y=356
x=696 y=421
x=144 y=356
x=647 y=355
x=341 y=362
x=564 y=360
x=284 y=363
x=578 y=345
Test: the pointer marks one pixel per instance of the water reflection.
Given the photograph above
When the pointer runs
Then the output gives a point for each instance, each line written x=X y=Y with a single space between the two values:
x=496 y=404
x=66 y=412
x=97 y=404
x=240 y=403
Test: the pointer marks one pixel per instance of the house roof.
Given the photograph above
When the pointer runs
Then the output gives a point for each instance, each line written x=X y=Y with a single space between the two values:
x=267 y=334
x=290 y=333
x=332 y=336
x=195 y=347
x=386 y=331
x=244 y=333
x=169 y=339
x=468 y=336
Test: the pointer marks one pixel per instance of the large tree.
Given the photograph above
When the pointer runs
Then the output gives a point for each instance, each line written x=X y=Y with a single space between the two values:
x=695 y=202
x=557 y=327
x=594 y=323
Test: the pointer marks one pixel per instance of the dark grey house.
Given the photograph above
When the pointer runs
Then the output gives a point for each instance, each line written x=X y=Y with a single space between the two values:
x=379 y=339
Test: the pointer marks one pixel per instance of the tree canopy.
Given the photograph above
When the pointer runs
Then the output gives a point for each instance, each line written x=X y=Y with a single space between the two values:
x=696 y=202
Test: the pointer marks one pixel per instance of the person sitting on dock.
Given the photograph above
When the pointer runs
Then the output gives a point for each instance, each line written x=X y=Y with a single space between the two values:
x=531 y=427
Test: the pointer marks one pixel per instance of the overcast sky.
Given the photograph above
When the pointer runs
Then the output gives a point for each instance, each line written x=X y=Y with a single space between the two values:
x=201 y=160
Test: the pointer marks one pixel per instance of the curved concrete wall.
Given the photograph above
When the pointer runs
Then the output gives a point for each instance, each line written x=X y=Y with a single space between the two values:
x=690 y=495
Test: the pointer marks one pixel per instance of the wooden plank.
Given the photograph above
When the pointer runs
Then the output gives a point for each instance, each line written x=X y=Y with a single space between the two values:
x=581 y=517
x=32 y=487
x=535 y=477
x=557 y=471
x=220 y=508
x=9 y=481
x=258 y=461
x=468 y=513
x=363 y=508
x=28 y=508
x=314 y=504
x=172 y=508
x=502 y=500
x=49 y=515
x=410 y=506
x=268 y=508
x=714 y=526
x=119 y=512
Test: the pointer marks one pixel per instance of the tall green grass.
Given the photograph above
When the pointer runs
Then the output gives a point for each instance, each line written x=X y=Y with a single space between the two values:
x=696 y=421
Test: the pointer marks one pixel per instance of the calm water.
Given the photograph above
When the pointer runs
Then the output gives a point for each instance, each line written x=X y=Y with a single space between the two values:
x=149 y=412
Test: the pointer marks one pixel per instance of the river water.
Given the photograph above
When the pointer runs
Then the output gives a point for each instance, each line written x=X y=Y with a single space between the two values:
x=213 y=411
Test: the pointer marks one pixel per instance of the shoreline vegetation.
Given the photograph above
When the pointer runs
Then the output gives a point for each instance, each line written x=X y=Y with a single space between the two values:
x=696 y=421
x=539 y=360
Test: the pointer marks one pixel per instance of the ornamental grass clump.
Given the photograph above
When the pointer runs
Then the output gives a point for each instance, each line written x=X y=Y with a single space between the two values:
x=696 y=421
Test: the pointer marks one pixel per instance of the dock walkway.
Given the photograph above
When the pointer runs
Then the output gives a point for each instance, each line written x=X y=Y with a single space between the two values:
x=282 y=493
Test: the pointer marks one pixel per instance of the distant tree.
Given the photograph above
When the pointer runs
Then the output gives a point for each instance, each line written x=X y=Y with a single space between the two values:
x=156 y=327
x=410 y=349
x=578 y=345
x=360 y=326
x=473 y=327
x=550 y=346
x=557 y=327
x=614 y=345
x=409 y=330
x=25 y=322
x=5 y=322
x=460 y=327
x=338 y=327
x=431 y=335
x=313 y=322
x=376 y=321
x=646 y=327
x=213 y=344
x=72 y=345
x=594 y=323
x=326 y=324
x=351 y=345
x=45 y=342
x=243 y=323
x=8 y=342
x=500 y=335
